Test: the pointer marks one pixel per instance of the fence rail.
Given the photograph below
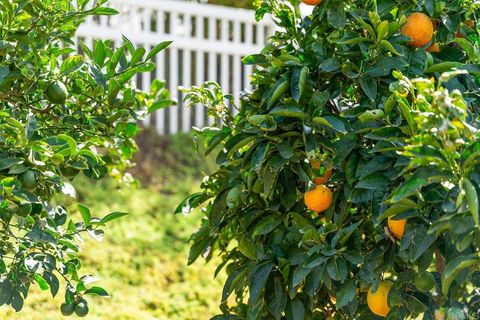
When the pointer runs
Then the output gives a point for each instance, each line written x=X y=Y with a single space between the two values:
x=209 y=43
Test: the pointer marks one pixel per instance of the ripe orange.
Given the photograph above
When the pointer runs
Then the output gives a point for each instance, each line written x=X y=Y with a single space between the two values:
x=326 y=175
x=312 y=2
x=419 y=28
x=396 y=227
x=378 y=301
x=434 y=48
x=319 y=198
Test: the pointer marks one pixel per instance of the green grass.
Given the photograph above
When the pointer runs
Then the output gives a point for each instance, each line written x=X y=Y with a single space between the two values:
x=142 y=260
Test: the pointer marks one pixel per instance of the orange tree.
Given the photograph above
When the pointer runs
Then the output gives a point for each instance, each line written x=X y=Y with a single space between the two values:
x=61 y=114
x=394 y=231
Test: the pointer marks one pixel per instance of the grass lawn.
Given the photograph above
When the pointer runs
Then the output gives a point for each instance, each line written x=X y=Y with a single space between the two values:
x=142 y=260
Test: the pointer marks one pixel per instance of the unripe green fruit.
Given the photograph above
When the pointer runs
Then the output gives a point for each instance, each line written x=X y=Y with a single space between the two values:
x=81 y=309
x=67 y=309
x=28 y=179
x=69 y=172
x=424 y=281
x=57 y=92
x=430 y=61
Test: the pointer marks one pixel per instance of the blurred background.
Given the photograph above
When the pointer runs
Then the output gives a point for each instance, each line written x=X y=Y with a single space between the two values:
x=142 y=260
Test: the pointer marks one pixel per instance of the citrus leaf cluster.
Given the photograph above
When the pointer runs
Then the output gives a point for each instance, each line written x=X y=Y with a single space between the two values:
x=349 y=91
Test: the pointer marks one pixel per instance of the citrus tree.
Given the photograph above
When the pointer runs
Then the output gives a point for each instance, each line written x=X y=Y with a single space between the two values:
x=347 y=183
x=61 y=114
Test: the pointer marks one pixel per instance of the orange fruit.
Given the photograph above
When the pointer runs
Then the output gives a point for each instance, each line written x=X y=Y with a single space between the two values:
x=434 y=48
x=326 y=175
x=419 y=28
x=319 y=198
x=378 y=301
x=397 y=227
x=312 y=2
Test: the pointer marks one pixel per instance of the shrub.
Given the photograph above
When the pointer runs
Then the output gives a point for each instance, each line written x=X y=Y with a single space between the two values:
x=344 y=92
x=61 y=114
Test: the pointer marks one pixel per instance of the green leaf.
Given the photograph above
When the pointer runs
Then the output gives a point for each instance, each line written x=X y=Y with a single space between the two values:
x=137 y=56
x=280 y=87
x=385 y=65
x=5 y=291
x=103 y=11
x=472 y=199
x=399 y=207
x=298 y=83
x=382 y=30
x=253 y=59
x=85 y=213
x=53 y=282
x=373 y=182
x=266 y=225
x=41 y=282
x=232 y=281
x=97 y=291
x=71 y=64
x=112 y=216
x=466 y=46
x=276 y=296
x=454 y=267
x=285 y=150
x=333 y=122
x=337 y=269
x=330 y=65
x=288 y=111
x=336 y=15
x=296 y=310
x=320 y=99
x=10 y=162
x=191 y=202
x=369 y=86
x=159 y=47
x=421 y=178
x=346 y=293
x=443 y=67
x=258 y=277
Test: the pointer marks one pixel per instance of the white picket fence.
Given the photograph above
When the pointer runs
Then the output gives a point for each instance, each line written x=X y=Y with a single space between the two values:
x=209 y=43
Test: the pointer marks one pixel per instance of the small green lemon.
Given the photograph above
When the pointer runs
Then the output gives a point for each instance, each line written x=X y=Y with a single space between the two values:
x=67 y=309
x=424 y=281
x=57 y=92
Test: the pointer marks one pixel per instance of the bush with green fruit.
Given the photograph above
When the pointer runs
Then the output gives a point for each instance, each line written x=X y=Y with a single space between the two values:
x=63 y=112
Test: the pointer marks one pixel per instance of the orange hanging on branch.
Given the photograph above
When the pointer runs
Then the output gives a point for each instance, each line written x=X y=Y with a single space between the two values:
x=312 y=2
x=378 y=301
x=397 y=227
x=319 y=198
x=419 y=28
x=326 y=174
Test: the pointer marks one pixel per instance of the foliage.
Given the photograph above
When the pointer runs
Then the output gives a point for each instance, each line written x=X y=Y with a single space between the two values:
x=334 y=87
x=61 y=114
x=144 y=251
